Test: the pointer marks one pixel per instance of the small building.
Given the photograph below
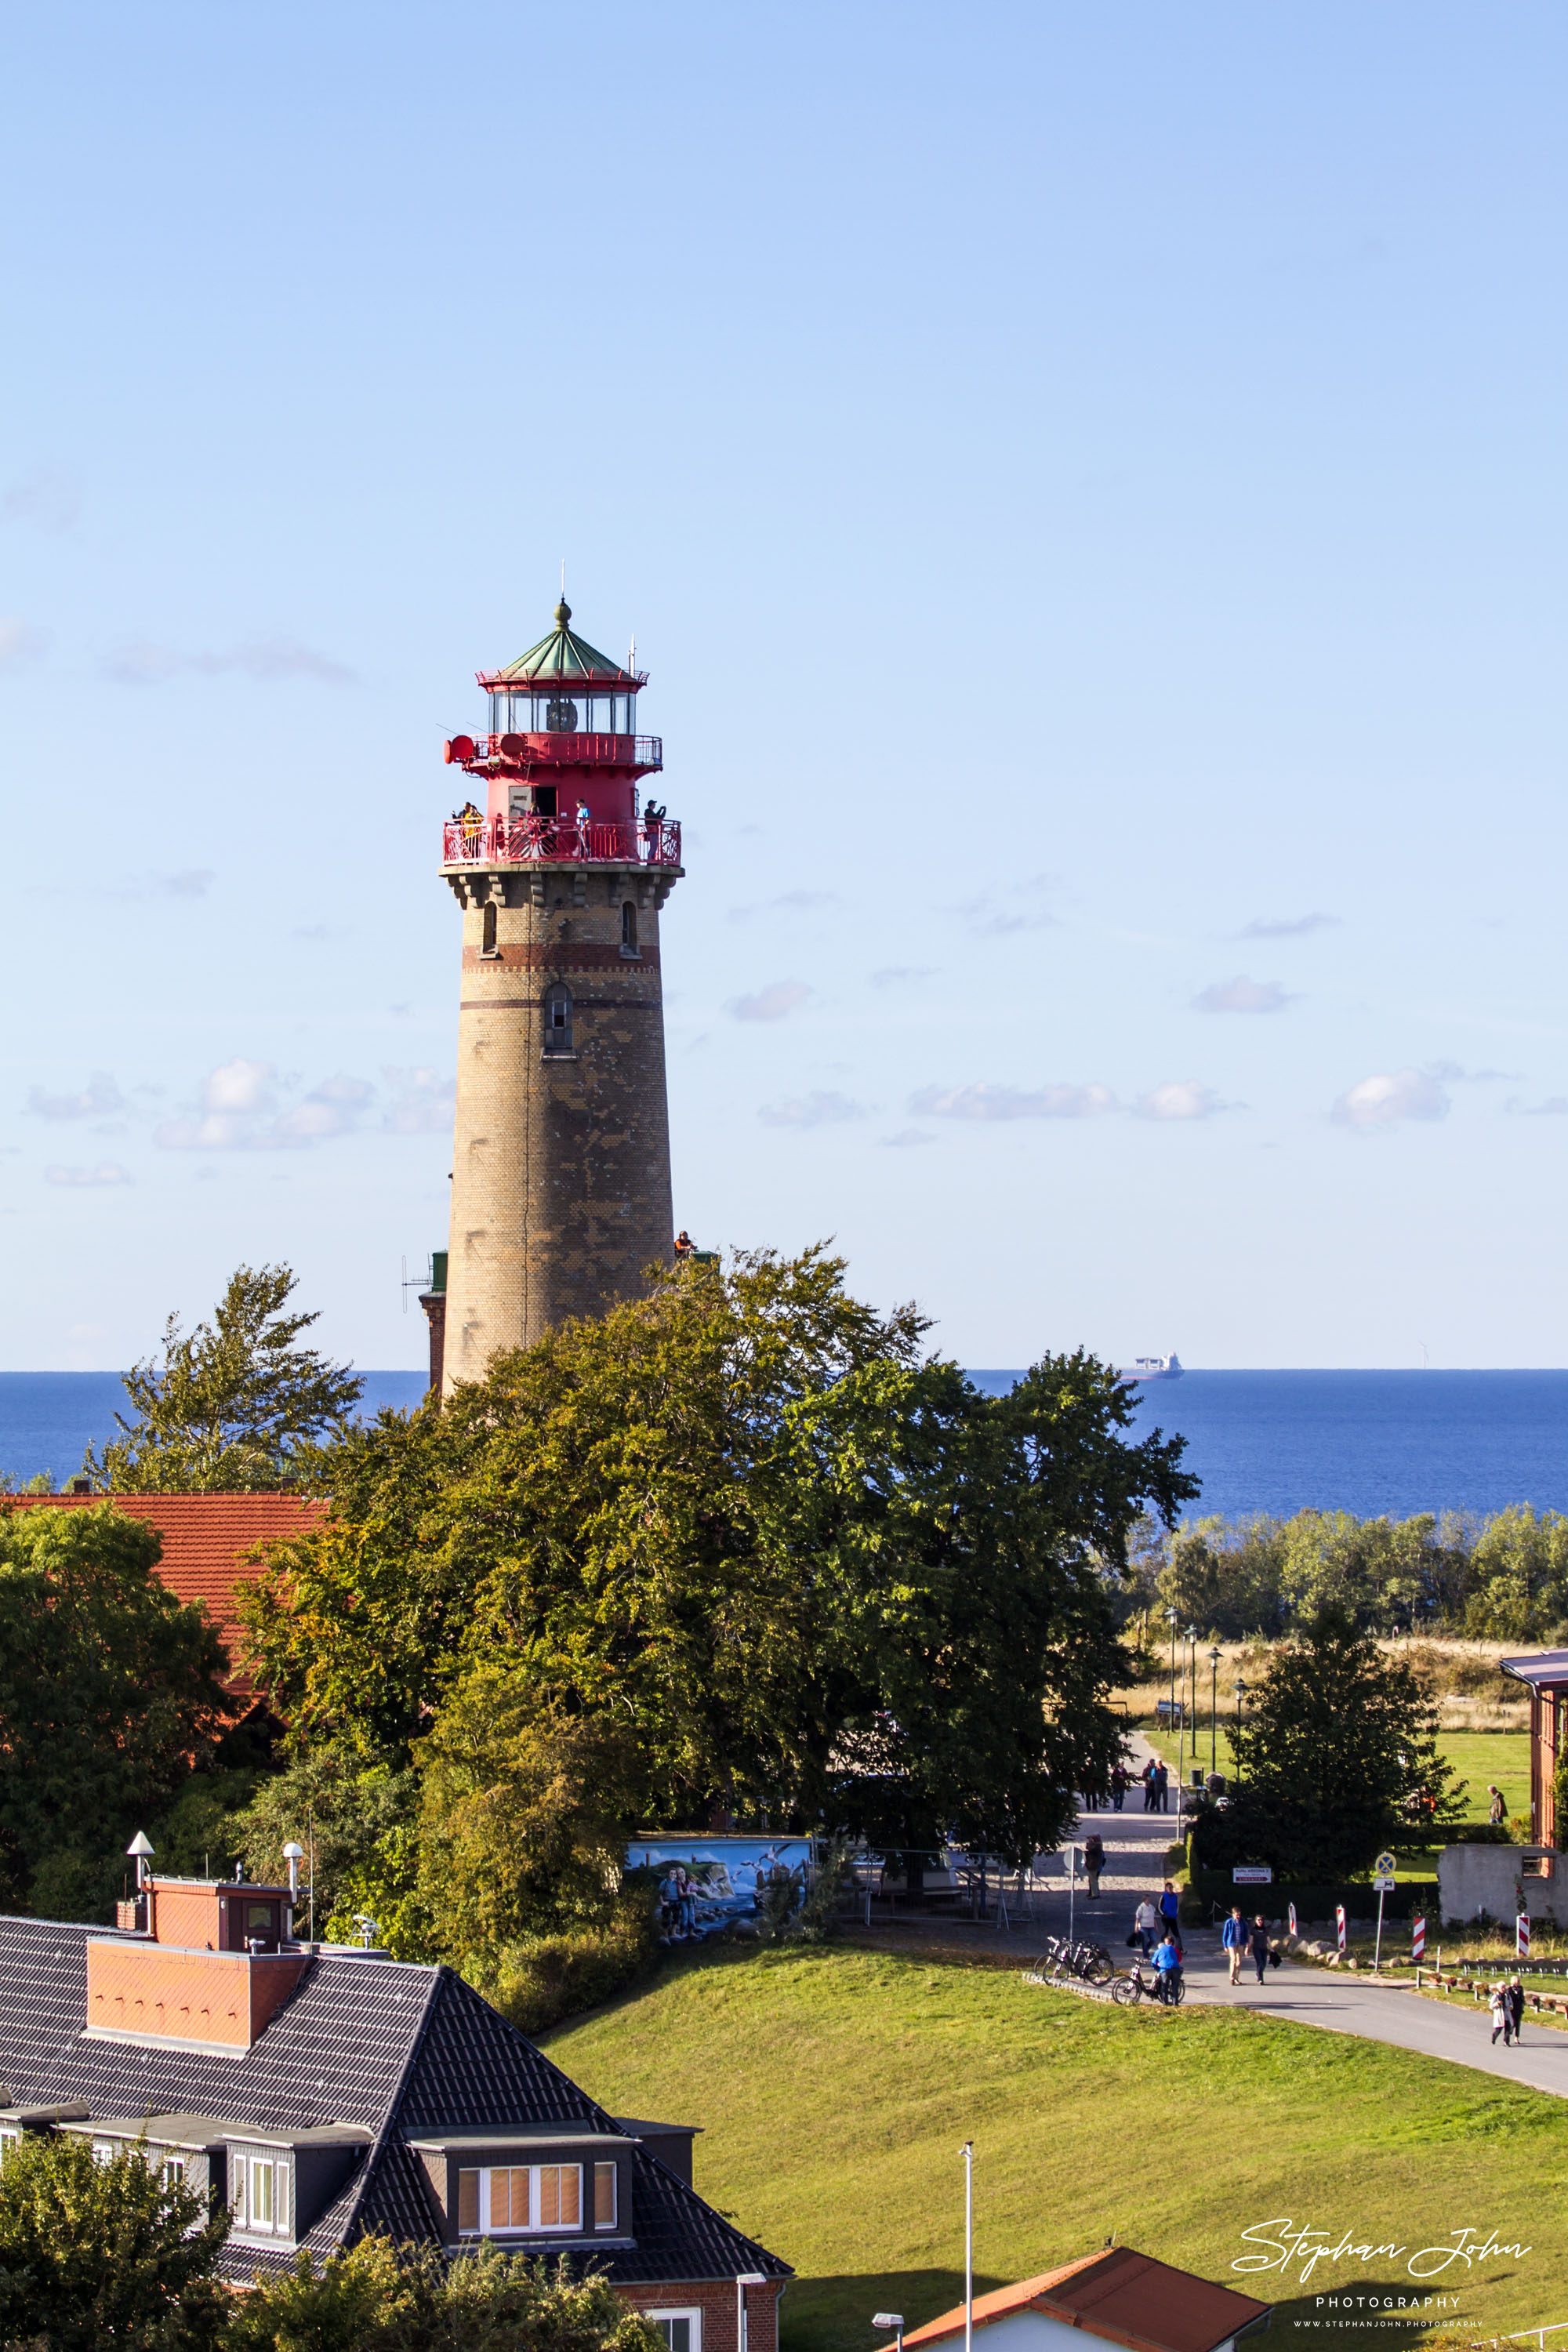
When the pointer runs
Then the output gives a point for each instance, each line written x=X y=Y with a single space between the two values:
x=1119 y=2296
x=211 y=1543
x=1545 y=1673
x=324 y=2093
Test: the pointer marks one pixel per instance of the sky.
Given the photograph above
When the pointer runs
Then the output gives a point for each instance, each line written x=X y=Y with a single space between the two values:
x=1089 y=489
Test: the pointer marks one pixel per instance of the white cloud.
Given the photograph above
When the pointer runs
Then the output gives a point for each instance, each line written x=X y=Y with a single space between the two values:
x=981 y=1099
x=1392 y=1095
x=266 y=661
x=892 y=974
x=43 y=498
x=237 y=1111
x=109 y=1172
x=988 y=920
x=421 y=1102
x=100 y=1098
x=1555 y=1107
x=237 y=1086
x=1179 y=1098
x=1287 y=926
x=815 y=1110
x=1242 y=995
x=20 y=646
x=780 y=998
x=906 y=1139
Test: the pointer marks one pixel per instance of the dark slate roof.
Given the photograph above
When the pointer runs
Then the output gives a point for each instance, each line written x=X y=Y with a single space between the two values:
x=399 y=2050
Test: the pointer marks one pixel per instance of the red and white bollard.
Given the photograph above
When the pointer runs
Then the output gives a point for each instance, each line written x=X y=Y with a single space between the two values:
x=1418 y=1939
x=1521 y=1936
x=1340 y=1925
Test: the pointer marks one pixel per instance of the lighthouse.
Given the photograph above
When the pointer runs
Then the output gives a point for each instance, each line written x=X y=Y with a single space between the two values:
x=561 y=1194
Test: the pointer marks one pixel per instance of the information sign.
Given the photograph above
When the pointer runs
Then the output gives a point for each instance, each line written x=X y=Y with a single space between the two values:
x=1249 y=1874
x=1385 y=1884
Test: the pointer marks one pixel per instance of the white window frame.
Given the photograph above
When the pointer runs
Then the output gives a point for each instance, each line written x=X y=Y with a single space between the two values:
x=10 y=2140
x=601 y=2164
x=693 y=2312
x=534 y=2227
x=244 y=2164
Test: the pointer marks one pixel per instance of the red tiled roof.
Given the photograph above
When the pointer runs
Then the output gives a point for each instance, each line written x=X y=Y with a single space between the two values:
x=1122 y=2296
x=205 y=1538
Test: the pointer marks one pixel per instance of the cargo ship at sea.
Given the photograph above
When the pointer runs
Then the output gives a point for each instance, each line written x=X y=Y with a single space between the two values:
x=1151 y=1367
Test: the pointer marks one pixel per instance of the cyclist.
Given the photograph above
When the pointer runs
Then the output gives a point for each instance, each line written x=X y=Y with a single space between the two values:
x=1167 y=1967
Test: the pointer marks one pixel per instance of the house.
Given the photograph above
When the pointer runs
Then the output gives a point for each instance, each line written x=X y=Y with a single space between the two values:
x=324 y=2093
x=1545 y=1673
x=210 y=1542
x=1122 y=2296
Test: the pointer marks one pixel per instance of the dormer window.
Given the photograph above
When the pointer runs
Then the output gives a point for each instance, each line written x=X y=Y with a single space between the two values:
x=258 y=2193
x=515 y=2199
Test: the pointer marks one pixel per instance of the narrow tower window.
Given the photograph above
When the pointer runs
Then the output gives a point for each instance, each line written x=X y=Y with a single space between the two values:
x=558 y=1019
x=629 y=930
x=489 y=937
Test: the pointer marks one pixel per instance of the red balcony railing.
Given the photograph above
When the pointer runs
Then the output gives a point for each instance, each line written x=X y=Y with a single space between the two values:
x=542 y=840
x=641 y=751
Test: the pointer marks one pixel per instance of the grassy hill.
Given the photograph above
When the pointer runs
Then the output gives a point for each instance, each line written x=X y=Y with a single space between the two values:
x=834 y=2088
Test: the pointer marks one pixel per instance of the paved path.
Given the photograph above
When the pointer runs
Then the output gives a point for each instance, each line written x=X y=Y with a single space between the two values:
x=1135 y=1846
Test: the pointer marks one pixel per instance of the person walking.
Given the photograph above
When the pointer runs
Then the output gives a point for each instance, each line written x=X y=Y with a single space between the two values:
x=1499 y=1812
x=1147 y=1926
x=1171 y=1912
x=1120 y=1784
x=1093 y=1863
x=1233 y=1941
x=1258 y=1945
x=1147 y=1777
x=1502 y=2009
x=1516 y=2009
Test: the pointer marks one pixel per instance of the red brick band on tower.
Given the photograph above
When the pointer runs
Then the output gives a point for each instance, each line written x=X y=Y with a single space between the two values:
x=561 y=1192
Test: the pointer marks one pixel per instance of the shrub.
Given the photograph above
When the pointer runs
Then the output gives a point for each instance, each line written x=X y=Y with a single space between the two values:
x=543 y=1978
x=92 y=2254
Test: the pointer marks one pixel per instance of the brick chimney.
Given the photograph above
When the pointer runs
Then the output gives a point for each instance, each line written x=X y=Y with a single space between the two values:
x=205 y=1965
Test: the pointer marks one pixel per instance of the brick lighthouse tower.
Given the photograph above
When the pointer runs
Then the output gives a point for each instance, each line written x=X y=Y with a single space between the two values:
x=561 y=1158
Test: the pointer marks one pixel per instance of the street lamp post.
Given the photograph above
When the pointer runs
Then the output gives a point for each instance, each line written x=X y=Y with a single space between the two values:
x=1240 y=1695
x=968 y=2153
x=893 y=2319
x=1175 y=1623
x=742 y=2280
x=1214 y=1711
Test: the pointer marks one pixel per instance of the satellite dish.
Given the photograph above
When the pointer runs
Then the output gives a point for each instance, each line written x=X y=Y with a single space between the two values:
x=512 y=746
x=459 y=748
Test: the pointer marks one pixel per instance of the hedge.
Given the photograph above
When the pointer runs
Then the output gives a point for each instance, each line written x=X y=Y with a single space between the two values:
x=1412 y=1896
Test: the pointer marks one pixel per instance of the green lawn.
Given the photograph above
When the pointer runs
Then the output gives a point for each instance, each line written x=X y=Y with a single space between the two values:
x=1482 y=1757
x=834 y=2088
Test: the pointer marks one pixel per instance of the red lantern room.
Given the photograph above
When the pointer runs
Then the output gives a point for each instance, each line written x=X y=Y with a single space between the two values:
x=561 y=763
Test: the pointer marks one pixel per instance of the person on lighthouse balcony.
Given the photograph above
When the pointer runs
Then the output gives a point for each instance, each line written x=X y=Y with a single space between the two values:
x=585 y=819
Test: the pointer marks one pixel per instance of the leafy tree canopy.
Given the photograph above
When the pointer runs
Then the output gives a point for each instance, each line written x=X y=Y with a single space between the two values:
x=1338 y=1757
x=93 y=2254
x=108 y=1687
x=744 y=1522
x=233 y=1406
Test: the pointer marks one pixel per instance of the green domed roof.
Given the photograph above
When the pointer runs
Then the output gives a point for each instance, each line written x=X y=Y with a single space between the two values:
x=562 y=658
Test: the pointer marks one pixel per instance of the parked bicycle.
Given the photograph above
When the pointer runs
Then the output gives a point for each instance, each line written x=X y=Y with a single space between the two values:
x=1091 y=1963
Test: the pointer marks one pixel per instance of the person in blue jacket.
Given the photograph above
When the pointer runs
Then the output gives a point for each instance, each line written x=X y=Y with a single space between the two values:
x=1167 y=1966
x=1233 y=1939
x=1171 y=1912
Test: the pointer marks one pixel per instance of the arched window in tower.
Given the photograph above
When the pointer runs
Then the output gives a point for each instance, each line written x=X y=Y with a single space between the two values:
x=558 y=1019
x=629 y=930
x=489 y=947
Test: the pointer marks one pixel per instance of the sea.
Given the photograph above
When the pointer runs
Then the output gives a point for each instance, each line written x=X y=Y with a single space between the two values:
x=1371 y=1443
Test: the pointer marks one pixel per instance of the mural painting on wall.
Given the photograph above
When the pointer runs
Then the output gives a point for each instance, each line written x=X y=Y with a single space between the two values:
x=709 y=1885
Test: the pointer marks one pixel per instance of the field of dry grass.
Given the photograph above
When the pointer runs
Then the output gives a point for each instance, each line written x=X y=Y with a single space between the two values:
x=1472 y=1696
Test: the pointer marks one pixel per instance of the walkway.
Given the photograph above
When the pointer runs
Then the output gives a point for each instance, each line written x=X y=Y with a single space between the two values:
x=1135 y=1845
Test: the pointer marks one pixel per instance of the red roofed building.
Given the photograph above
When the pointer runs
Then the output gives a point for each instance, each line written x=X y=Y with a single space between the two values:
x=1119 y=2296
x=210 y=1541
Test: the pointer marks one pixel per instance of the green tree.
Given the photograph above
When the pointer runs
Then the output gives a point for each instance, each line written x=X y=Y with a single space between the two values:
x=356 y=1814
x=109 y=1688
x=233 y=1406
x=525 y=1814
x=1338 y=1759
x=1518 y=1576
x=741 y=1519
x=94 y=2255
x=377 y=2297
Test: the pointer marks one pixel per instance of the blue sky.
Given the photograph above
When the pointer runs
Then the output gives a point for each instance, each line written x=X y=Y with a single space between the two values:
x=1088 y=488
